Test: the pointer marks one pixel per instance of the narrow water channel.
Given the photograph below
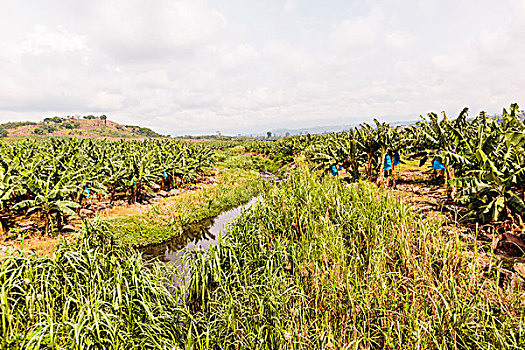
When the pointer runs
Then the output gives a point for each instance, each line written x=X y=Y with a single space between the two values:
x=199 y=236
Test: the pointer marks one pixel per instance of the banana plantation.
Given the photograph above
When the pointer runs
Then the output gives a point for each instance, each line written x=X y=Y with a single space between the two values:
x=482 y=158
x=52 y=179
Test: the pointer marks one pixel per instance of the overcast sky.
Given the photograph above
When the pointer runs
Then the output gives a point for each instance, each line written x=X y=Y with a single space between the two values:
x=243 y=66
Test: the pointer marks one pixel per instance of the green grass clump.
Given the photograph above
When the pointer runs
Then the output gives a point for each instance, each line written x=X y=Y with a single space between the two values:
x=253 y=162
x=320 y=265
x=167 y=219
x=89 y=295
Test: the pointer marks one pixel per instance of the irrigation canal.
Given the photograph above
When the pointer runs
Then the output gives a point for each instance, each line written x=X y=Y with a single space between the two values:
x=200 y=236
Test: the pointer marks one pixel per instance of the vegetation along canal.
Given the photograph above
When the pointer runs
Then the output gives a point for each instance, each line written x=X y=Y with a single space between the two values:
x=196 y=237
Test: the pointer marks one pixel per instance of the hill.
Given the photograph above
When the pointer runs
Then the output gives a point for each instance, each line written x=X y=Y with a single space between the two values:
x=86 y=126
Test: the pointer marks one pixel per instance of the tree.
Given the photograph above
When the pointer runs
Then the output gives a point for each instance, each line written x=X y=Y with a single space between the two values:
x=104 y=118
x=268 y=134
x=3 y=133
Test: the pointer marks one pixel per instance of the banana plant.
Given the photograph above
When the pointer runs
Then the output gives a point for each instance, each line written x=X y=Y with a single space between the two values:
x=342 y=148
x=491 y=191
x=435 y=140
x=498 y=170
x=49 y=198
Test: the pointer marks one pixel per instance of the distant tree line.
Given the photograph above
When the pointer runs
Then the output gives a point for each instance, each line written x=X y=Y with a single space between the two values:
x=12 y=125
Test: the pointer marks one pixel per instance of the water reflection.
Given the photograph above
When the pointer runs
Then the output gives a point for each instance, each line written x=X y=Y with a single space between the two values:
x=199 y=236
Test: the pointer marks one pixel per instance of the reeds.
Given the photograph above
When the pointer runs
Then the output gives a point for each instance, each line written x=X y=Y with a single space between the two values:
x=320 y=265
x=89 y=295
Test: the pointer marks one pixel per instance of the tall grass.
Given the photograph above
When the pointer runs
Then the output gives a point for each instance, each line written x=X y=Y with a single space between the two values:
x=319 y=265
x=89 y=295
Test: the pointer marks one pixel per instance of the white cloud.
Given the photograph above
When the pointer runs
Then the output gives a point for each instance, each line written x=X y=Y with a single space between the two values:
x=138 y=30
x=183 y=66
x=236 y=56
x=290 y=57
x=454 y=63
x=44 y=40
x=358 y=32
x=398 y=39
x=291 y=5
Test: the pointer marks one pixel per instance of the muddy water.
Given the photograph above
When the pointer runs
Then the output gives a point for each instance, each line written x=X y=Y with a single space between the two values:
x=199 y=236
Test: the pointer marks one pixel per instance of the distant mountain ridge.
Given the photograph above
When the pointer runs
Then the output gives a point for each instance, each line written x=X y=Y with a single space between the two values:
x=79 y=126
x=318 y=130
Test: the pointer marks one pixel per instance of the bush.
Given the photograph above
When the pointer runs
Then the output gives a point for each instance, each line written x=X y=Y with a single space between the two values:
x=3 y=133
x=54 y=120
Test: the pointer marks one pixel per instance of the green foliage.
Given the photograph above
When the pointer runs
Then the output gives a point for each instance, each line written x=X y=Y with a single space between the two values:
x=71 y=125
x=167 y=219
x=251 y=163
x=89 y=295
x=3 y=133
x=488 y=155
x=319 y=265
x=57 y=120
x=283 y=151
x=50 y=177
x=12 y=125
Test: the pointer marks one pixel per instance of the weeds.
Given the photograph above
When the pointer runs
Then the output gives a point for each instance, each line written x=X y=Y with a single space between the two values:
x=319 y=265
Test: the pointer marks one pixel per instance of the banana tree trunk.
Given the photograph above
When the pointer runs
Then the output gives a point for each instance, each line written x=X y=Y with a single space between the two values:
x=46 y=224
x=60 y=220
x=449 y=175
x=355 y=170
x=4 y=225
x=131 y=198
x=112 y=196
x=381 y=176
x=369 y=168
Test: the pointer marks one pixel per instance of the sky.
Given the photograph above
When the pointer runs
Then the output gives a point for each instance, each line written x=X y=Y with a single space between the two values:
x=247 y=66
